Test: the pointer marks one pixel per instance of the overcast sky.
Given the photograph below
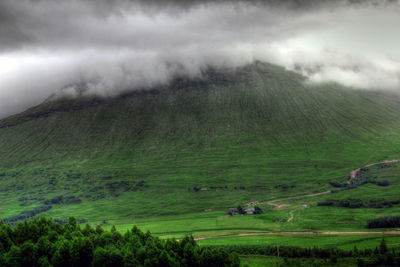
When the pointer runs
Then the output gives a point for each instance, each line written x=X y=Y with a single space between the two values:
x=115 y=45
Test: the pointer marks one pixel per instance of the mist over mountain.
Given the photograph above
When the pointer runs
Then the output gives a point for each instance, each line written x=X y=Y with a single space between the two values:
x=173 y=159
x=119 y=46
x=238 y=132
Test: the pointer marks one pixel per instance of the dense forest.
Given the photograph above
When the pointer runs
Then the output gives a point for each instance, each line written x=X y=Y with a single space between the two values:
x=43 y=242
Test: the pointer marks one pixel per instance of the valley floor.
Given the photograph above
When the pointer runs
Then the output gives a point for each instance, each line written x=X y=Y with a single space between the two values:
x=293 y=221
x=296 y=218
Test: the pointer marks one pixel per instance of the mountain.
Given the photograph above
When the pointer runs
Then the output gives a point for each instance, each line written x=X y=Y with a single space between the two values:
x=231 y=136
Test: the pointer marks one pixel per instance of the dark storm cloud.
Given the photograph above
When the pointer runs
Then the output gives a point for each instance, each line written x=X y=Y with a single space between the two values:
x=71 y=22
x=117 y=45
x=58 y=24
x=10 y=34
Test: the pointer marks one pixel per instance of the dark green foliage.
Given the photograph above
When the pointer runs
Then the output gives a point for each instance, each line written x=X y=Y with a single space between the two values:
x=380 y=183
x=241 y=210
x=26 y=201
x=358 y=203
x=382 y=247
x=384 y=222
x=338 y=185
x=27 y=214
x=284 y=186
x=64 y=221
x=63 y=200
x=362 y=177
x=43 y=242
x=380 y=203
x=124 y=186
x=290 y=251
x=257 y=210
x=381 y=256
x=347 y=203
x=107 y=257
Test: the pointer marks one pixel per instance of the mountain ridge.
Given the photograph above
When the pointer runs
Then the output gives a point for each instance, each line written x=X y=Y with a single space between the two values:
x=242 y=132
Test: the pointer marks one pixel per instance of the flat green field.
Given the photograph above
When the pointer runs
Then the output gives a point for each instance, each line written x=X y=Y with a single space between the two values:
x=346 y=242
x=264 y=261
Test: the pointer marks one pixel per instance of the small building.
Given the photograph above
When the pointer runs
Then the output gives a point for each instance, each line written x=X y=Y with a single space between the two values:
x=250 y=211
x=252 y=204
x=304 y=206
x=203 y=189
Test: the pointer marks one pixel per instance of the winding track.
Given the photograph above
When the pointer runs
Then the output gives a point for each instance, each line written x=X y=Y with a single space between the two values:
x=291 y=216
x=272 y=202
x=353 y=173
x=352 y=176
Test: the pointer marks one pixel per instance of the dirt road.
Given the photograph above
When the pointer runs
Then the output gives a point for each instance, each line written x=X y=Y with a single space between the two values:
x=272 y=202
x=291 y=216
x=352 y=176
x=353 y=173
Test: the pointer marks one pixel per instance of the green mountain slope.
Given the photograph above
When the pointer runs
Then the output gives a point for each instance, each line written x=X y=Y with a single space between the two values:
x=253 y=134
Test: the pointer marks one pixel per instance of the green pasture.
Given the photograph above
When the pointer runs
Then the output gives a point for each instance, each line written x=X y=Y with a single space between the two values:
x=345 y=242
x=266 y=261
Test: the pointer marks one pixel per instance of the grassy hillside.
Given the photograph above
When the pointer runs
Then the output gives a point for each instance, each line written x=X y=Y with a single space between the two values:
x=243 y=135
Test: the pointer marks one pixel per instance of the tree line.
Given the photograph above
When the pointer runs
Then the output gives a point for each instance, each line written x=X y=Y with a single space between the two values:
x=43 y=242
x=384 y=222
x=358 y=203
x=380 y=256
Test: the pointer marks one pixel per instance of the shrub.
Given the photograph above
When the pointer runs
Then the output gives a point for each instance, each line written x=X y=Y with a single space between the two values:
x=346 y=203
x=27 y=214
x=384 y=222
x=358 y=203
x=338 y=185
x=257 y=210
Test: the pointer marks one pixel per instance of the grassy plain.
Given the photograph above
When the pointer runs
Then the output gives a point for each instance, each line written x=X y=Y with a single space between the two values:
x=216 y=228
x=265 y=261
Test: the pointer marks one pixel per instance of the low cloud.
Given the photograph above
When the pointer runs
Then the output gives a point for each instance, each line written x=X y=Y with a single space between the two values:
x=114 y=46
